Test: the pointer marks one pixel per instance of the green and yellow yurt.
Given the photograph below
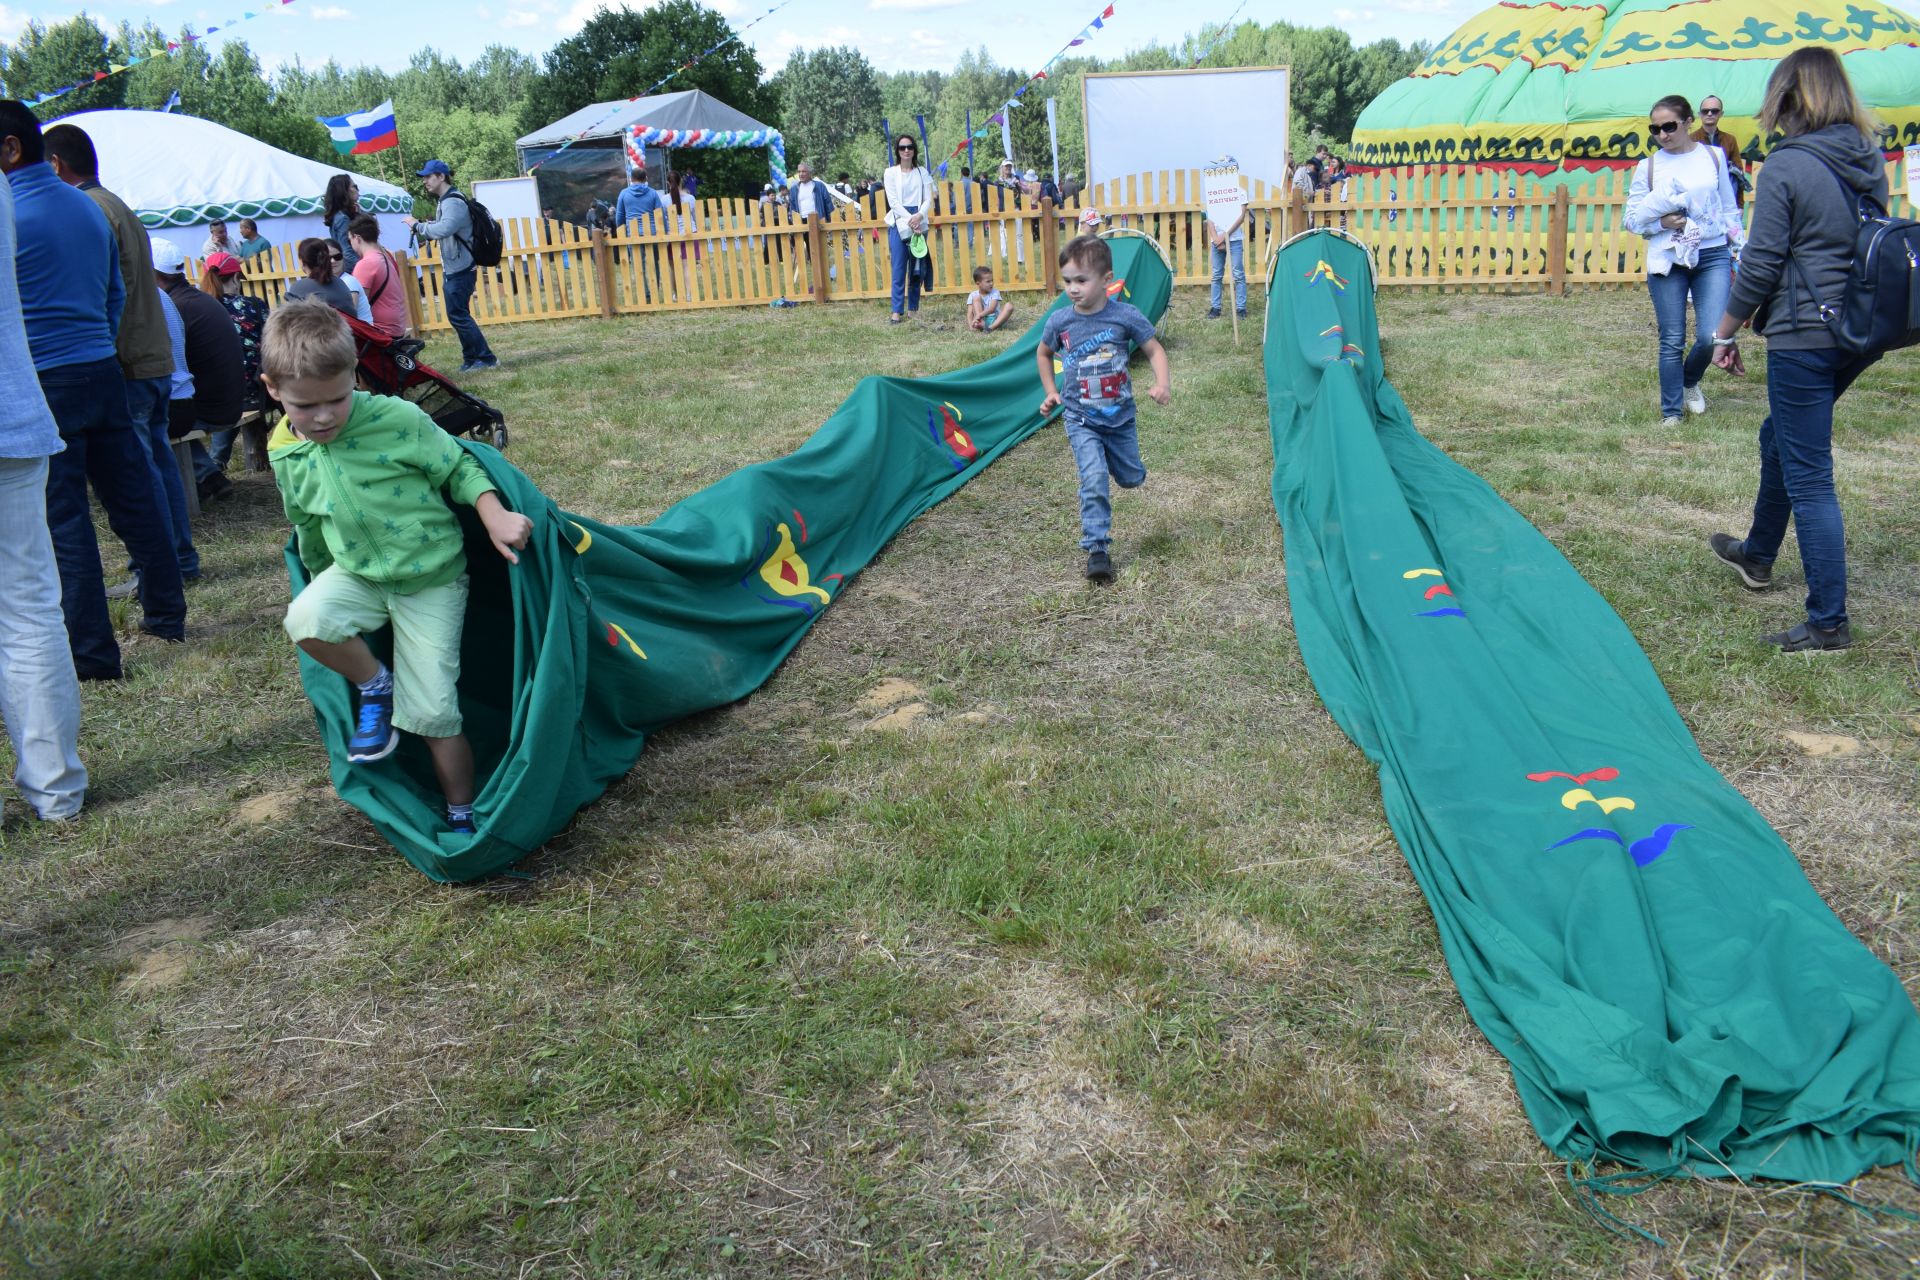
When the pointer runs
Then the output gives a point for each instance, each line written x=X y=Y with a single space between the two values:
x=1546 y=87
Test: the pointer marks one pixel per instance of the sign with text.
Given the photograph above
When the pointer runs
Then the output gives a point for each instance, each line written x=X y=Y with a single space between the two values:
x=1225 y=195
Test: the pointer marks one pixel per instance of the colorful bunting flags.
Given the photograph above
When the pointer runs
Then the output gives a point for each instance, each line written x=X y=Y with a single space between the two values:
x=1013 y=104
x=1220 y=34
x=115 y=68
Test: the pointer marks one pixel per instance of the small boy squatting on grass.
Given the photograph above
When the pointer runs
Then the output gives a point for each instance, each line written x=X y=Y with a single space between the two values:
x=1090 y=340
x=361 y=477
x=986 y=308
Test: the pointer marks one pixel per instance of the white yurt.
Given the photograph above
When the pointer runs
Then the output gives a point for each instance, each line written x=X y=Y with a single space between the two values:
x=180 y=172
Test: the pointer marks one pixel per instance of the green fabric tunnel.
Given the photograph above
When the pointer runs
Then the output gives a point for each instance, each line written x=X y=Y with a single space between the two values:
x=1630 y=934
x=602 y=634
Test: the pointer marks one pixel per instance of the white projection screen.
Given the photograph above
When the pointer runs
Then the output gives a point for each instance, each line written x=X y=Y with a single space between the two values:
x=1146 y=121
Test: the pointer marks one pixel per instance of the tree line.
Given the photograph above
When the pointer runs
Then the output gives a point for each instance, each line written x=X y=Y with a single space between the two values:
x=828 y=103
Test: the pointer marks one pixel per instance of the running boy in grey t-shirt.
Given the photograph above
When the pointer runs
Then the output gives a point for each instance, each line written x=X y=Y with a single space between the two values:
x=1090 y=341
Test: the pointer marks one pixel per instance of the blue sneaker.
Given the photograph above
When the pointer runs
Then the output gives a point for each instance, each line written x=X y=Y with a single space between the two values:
x=374 y=736
x=461 y=826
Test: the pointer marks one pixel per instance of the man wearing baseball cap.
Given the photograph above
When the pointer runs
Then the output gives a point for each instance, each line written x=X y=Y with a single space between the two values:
x=453 y=227
x=71 y=296
x=146 y=355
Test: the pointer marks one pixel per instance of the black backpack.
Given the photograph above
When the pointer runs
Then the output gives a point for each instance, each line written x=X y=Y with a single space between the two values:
x=487 y=242
x=1881 y=308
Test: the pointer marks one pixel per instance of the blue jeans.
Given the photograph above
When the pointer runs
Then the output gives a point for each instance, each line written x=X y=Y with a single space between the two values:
x=1796 y=474
x=908 y=271
x=147 y=402
x=39 y=697
x=1709 y=282
x=473 y=344
x=1101 y=452
x=1237 y=249
x=104 y=448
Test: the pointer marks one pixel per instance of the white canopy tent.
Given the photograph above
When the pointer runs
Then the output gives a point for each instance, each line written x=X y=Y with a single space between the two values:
x=181 y=172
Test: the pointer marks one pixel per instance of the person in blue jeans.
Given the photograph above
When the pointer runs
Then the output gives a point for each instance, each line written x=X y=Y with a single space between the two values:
x=1798 y=260
x=911 y=197
x=1682 y=202
x=71 y=297
x=39 y=697
x=146 y=358
x=453 y=227
x=1092 y=340
x=1232 y=245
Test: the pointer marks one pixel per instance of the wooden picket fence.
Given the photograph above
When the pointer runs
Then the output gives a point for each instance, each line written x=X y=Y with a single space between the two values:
x=1445 y=227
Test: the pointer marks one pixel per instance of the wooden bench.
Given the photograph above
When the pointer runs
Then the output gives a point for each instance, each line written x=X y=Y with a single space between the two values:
x=183 y=454
x=254 y=449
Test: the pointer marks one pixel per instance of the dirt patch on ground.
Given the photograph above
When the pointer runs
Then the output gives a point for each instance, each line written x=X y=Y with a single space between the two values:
x=1823 y=744
x=889 y=693
x=899 y=719
x=160 y=950
x=265 y=810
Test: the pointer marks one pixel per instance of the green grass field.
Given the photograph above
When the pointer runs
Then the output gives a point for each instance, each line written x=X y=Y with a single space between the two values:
x=1014 y=929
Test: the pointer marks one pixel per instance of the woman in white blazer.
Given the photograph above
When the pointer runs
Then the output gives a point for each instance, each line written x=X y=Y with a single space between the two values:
x=1682 y=202
x=911 y=197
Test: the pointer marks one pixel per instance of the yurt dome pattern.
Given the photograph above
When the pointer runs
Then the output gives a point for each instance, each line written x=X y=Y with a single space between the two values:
x=1540 y=87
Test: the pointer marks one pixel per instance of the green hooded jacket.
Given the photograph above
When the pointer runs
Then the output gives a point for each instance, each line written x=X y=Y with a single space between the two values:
x=370 y=500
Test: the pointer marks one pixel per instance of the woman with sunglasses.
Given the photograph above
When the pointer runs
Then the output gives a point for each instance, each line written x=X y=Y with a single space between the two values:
x=1797 y=263
x=321 y=281
x=910 y=201
x=1681 y=202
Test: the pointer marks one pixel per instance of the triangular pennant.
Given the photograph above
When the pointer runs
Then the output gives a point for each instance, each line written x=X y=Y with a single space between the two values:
x=1108 y=12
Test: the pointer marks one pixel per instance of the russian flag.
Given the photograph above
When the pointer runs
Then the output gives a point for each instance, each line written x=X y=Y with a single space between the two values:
x=363 y=131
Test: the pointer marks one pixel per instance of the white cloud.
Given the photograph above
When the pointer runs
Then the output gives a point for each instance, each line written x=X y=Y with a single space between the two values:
x=1420 y=6
x=1349 y=16
x=13 y=22
x=329 y=13
x=520 y=18
x=915 y=4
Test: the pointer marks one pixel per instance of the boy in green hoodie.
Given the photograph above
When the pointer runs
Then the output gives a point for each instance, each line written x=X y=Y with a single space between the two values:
x=361 y=478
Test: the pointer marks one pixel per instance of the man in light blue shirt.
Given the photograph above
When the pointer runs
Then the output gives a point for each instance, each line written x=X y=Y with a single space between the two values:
x=638 y=203
x=39 y=696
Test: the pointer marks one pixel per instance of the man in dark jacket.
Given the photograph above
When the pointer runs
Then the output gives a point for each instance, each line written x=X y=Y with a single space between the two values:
x=217 y=363
x=1710 y=132
x=71 y=295
x=146 y=356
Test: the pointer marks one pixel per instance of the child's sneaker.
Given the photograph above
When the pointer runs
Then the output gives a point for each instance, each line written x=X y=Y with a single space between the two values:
x=460 y=818
x=1099 y=567
x=374 y=736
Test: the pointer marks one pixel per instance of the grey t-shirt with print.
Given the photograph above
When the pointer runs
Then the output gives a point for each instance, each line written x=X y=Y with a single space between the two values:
x=1095 y=388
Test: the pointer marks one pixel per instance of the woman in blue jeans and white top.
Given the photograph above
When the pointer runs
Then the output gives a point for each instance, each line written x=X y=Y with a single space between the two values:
x=910 y=200
x=1797 y=262
x=1681 y=201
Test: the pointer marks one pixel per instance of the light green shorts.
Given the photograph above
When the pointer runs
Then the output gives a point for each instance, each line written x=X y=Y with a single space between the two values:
x=337 y=606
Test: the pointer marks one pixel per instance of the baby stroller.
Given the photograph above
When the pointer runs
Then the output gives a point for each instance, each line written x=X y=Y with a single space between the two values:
x=392 y=367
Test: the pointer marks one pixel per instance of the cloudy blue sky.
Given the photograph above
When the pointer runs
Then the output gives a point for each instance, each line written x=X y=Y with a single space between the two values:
x=894 y=34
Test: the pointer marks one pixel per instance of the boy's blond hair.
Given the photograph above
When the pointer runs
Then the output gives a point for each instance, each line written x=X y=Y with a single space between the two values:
x=305 y=339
